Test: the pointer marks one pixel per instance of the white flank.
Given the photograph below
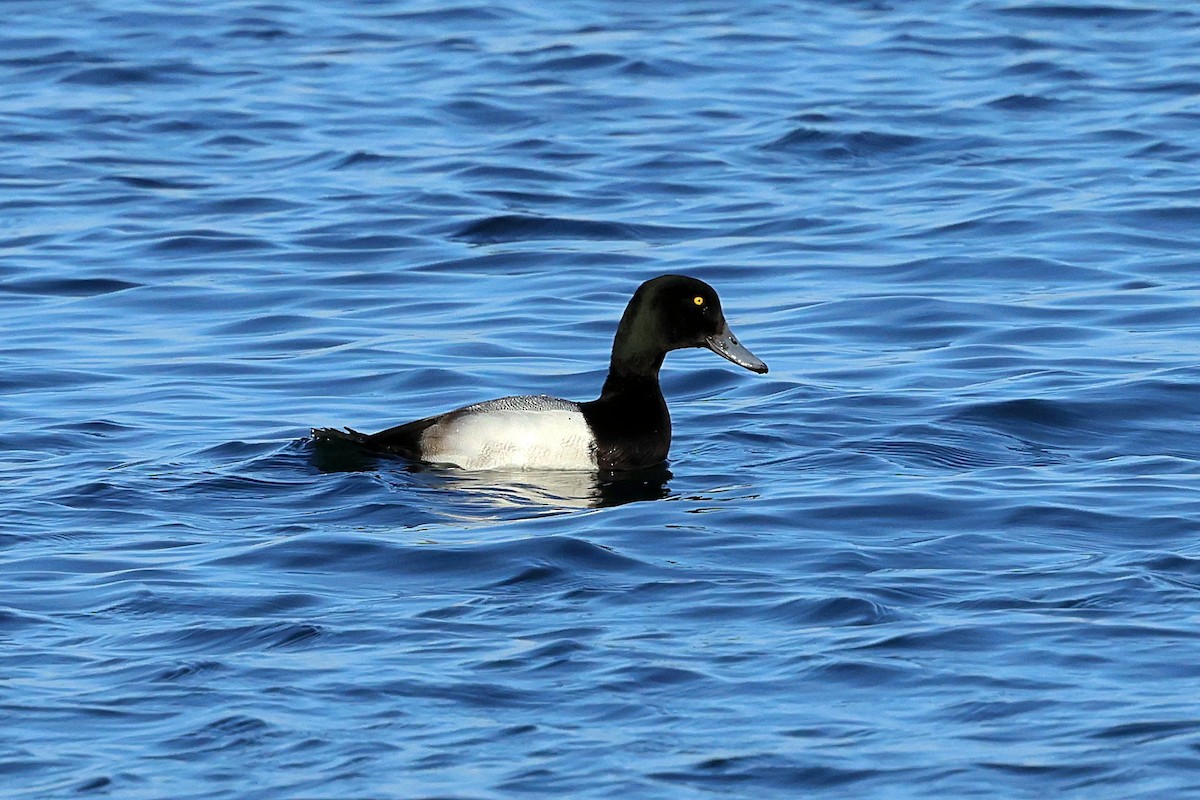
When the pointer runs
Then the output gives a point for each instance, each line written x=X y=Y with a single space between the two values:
x=513 y=433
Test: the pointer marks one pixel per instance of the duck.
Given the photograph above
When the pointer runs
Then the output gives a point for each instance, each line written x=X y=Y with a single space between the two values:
x=626 y=428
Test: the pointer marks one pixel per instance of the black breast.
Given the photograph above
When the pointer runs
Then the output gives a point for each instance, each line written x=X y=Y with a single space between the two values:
x=631 y=424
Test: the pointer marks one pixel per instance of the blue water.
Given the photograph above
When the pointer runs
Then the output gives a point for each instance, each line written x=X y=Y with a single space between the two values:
x=948 y=547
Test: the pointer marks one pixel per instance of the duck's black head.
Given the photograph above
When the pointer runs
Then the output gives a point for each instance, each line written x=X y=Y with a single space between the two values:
x=672 y=312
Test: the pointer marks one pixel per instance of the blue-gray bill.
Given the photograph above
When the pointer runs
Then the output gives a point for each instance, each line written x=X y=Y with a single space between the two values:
x=726 y=345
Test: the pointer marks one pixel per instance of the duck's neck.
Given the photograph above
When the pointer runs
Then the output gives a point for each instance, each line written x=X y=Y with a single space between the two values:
x=631 y=386
x=637 y=353
x=631 y=392
x=638 y=376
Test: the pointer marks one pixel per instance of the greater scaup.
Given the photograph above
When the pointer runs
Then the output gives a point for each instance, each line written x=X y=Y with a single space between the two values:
x=626 y=428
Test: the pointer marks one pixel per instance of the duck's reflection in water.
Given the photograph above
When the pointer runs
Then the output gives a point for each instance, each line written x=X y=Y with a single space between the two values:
x=562 y=488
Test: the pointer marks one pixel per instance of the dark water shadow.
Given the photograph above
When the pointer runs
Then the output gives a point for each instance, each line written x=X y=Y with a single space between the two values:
x=567 y=488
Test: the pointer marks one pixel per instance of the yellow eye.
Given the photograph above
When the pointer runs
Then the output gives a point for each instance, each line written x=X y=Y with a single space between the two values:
x=698 y=300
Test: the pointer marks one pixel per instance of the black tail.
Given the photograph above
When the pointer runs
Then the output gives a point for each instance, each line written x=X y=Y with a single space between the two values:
x=339 y=435
x=344 y=450
x=402 y=440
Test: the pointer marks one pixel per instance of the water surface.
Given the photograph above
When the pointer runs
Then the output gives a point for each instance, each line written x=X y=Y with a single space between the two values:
x=946 y=548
